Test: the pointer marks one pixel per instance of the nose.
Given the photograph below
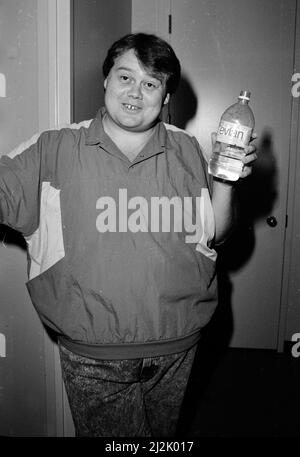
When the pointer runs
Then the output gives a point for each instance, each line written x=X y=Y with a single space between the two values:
x=135 y=91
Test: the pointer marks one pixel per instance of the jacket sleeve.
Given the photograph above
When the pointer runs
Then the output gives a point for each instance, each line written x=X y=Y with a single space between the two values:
x=20 y=174
x=208 y=179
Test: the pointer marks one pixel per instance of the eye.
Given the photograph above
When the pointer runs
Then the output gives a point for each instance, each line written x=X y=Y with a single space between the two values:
x=150 y=85
x=124 y=78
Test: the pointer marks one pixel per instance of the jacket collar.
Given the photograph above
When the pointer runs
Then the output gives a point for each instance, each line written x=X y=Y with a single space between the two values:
x=159 y=141
x=96 y=134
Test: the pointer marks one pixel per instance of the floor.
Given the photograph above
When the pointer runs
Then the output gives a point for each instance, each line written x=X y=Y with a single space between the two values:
x=242 y=392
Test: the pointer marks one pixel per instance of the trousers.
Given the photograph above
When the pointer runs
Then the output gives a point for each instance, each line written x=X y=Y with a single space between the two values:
x=126 y=398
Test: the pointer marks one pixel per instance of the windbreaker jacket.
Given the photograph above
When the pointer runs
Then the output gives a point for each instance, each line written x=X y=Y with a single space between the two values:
x=120 y=256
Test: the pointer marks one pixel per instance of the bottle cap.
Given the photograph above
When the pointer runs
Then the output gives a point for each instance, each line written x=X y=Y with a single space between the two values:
x=245 y=95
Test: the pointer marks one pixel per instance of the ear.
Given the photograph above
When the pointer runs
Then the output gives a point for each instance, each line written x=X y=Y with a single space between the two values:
x=166 y=100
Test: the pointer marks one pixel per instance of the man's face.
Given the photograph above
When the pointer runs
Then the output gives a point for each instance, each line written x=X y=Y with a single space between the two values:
x=133 y=98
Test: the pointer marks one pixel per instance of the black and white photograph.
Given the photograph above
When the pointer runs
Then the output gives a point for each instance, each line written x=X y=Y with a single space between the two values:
x=149 y=222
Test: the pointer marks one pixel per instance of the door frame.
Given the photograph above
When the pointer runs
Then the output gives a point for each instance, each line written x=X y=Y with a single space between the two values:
x=293 y=199
x=54 y=62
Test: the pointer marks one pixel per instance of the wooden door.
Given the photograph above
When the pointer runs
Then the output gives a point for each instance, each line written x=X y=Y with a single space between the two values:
x=224 y=47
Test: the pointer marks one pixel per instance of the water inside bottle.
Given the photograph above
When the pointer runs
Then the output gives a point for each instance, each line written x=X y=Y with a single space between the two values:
x=225 y=167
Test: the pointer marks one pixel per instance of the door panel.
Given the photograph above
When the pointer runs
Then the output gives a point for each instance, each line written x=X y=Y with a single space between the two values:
x=225 y=46
x=96 y=25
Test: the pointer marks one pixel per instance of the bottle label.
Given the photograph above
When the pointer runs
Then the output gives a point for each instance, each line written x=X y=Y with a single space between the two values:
x=235 y=134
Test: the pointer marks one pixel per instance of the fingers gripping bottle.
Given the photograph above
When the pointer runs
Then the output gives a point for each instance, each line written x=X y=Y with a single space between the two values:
x=234 y=133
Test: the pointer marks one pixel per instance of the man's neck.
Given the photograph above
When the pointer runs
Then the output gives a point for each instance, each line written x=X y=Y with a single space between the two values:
x=129 y=143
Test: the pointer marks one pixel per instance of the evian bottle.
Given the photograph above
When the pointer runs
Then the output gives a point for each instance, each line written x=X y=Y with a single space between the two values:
x=234 y=133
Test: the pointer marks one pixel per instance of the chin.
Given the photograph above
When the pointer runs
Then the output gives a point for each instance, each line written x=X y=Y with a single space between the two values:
x=131 y=125
x=137 y=129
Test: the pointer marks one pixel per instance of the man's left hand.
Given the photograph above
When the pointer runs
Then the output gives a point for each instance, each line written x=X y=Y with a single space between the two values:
x=249 y=158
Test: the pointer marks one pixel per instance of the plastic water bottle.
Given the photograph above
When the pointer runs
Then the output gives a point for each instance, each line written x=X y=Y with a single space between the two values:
x=234 y=133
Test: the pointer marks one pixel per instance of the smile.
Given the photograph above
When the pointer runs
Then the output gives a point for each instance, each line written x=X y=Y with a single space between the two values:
x=131 y=107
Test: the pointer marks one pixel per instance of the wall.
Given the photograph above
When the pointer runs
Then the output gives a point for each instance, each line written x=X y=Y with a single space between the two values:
x=22 y=375
x=150 y=16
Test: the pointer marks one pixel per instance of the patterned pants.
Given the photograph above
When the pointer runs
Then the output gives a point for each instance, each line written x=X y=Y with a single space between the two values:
x=126 y=398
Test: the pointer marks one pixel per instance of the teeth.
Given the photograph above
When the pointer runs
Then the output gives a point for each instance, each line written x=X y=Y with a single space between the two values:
x=131 y=107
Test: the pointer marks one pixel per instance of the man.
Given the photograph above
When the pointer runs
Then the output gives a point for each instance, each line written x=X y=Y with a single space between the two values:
x=121 y=220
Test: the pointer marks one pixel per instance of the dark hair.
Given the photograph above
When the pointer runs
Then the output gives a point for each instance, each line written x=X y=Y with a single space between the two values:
x=155 y=54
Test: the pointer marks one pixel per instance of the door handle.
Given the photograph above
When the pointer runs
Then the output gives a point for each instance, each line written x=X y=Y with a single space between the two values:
x=272 y=221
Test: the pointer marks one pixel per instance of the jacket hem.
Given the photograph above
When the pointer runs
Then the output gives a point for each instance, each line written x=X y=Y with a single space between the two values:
x=130 y=350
